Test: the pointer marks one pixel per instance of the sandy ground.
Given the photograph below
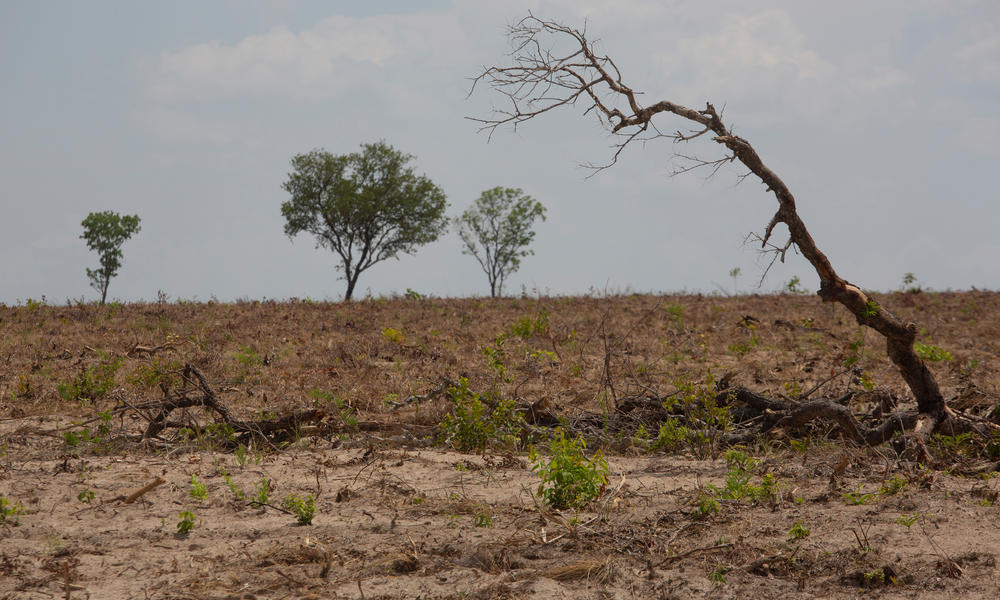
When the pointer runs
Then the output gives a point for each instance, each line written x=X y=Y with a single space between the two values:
x=407 y=522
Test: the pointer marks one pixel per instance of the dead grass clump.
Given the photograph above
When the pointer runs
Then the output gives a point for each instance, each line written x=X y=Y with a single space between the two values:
x=591 y=570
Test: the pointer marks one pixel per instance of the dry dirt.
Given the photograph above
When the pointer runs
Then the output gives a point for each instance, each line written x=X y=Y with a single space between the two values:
x=399 y=515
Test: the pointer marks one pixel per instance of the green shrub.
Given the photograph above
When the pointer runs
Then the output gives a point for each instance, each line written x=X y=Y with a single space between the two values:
x=186 y=522
x=471 y=426
x=92 y=383
x=303 y=508
x=569 y=478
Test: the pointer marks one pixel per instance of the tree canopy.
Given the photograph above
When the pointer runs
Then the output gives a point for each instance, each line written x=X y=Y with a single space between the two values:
x=496 y=231
x=366 y=206
x=105 y=232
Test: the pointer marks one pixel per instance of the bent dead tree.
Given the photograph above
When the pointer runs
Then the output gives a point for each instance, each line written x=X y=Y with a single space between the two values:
x=540 y=80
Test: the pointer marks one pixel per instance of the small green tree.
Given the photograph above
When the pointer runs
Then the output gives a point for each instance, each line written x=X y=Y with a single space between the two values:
x=496 y=230
x=366 y=206
x=105 y=232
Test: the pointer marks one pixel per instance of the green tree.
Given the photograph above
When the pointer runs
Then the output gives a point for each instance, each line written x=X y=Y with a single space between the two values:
x=105 y=232
x=366 y=206
x=496 y=230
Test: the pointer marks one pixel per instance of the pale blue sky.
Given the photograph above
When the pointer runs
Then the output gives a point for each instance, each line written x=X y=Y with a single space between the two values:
x=187 y=113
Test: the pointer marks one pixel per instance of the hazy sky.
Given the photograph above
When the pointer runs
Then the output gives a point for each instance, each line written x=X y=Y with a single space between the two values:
x=882 y=117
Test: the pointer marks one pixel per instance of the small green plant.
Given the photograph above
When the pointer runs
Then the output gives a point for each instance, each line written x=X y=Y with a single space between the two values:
x=235 y=489
x=672 y=435
x=676 y=312
x=738 y=479
x=472 y=426
x=496 y=356
x=858 y=497
x=263 y=488
x=303 y=508
x=413 y=294
x=794 y=286
x=343 y=409
x=874 y=578
x=248 y=357
x=717 y=576
x=92 y=383
x=891 y=487
x=528 y=326
x=483 y=519
x=197 y=489
x=960 y=443
x=86 y=496
x=871 y=309
x=97 y=437
x=393 y=335
x=706 y=505
x=798 y=531
x=910 y=284
x=931 y=353
x=569 y=478
x=186 y=522
x=9 y=511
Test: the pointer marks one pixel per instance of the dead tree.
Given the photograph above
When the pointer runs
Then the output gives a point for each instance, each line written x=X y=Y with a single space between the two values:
x=540 y=79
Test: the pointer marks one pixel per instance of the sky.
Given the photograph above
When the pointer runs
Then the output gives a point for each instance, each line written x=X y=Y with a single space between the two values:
x=881 y=117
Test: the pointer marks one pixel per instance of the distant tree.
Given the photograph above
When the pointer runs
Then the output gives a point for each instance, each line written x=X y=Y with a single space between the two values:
x=496 y=230
x=366 y=206
x=105 y=232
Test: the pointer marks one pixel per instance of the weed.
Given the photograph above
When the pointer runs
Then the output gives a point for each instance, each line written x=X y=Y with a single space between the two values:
x=906 y=520
x=86 y=496
x=931 y=353
x=706 y=420
x=569 y=478
x=874 y=578
x=672 y=435
x=496 y=356
x=9 y=511
x=240 y=495
x=471 y=427
x=717 y=576
x=676 y=312
x=197 y=489
x=413 y=294
x=393 y=335
x=483 y=519
x=263 y=488
x=92 y=383
x=891 y=487
x=794 y=286
x=871 y=309
x=186 y=522
x=738 y=486
x=960 y=443
x=157 y=372
x=910 y=284
x=798 y=531
x=98 y=437
x=303 y=508
x=858 y=497
x=707 y=505
x=527 y=327
x=248 y=357
x=344 y=411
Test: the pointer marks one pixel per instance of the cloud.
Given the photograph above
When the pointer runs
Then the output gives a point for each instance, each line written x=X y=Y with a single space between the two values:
x=317 y=63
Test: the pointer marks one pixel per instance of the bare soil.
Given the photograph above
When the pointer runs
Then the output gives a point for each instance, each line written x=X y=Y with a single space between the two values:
x=401 y=514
